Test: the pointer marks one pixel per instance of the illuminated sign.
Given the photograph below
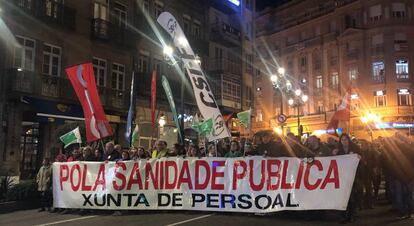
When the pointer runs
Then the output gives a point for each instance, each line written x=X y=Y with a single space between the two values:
x=379 y=93
x=394 y=125
x=403 y=91
x=235 y=2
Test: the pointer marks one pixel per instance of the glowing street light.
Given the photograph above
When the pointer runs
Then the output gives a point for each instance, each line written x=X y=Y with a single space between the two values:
x=278 y=130
x=291 y=101
x=273 y=78
x=305 y=98
x=298 y=92
x=281 y=70
x=168 y=51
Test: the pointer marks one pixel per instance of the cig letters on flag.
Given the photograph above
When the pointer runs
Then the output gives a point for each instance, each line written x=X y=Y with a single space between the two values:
x=83 y=81
x=202 y=91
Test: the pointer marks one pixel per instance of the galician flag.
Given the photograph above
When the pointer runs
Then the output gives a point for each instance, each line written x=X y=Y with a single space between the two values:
x=135 y=135
x=206 y=127
x=245 y=118
x=73 y=137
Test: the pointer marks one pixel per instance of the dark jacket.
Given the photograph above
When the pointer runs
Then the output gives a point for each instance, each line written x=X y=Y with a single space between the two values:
x=272 y=149
x=112 y=157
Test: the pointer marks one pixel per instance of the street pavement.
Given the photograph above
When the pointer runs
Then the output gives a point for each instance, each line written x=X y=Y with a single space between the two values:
x=380 y=215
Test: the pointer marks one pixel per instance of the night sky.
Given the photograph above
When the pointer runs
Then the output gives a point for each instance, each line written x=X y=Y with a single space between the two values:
x=261 y=4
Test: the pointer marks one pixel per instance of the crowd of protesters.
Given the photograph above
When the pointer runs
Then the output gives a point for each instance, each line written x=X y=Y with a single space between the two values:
x=389 y=160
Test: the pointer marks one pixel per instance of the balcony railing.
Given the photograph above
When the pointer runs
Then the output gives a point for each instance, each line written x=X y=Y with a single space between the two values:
x=106 y=31
x=225 y=32
x=50 y=12
x=378 y=79
x=225 y=65
x=401 y=47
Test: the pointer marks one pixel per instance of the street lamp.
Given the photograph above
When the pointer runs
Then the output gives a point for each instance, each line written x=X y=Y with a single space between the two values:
x=273 y=78
x=281 y=71
x=168 y=51
x=298 y=100
x=369 y=118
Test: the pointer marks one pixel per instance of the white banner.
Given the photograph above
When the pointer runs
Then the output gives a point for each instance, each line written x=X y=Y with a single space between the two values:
x=202 y=91
x=251 y=184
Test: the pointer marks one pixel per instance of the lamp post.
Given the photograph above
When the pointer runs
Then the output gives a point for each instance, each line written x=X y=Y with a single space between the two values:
x=280 y=84
x=299 y=99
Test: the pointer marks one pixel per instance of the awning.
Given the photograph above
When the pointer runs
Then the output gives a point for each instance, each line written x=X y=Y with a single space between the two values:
x=45 y=109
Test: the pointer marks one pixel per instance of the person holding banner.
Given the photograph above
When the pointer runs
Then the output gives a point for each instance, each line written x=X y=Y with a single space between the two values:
x=234 y=150
x=346 y=147
x=160 y=150
x=110 y=153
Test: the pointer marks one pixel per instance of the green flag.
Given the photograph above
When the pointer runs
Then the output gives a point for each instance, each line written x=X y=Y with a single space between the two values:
x=205 y=127
x=73 y=137
x=170 y=99
x=135 y=135
x=245 y=118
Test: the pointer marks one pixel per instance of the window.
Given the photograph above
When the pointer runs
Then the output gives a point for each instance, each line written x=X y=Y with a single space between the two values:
x=120 y=14
x=187 y=24
x=249 y=62
x=380 y=98
x=332 y=26
x=319 y=107
x=375 y=13
x=143 y=62
x=51 y=60
x=335 y=80
x=24 y=53
x=400 y=42
x=303 y=62
x=145 y=5
x=398 y=10
x=118 y=76
x=158 y=8
x=196 y=28
x=401 y=69
x=157 y=65
x=231 y=89
x=378 y=71
x=334 y=60
x=259 y=117
x=100 y=10
x=25 y=4
x=249 y=96
x=52 y=8
x=319 y=82
x=404 y=97
x=353 y=73
x=99 y=69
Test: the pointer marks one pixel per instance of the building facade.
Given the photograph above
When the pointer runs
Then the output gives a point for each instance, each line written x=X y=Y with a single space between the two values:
x=331 y=47
x=42 y=38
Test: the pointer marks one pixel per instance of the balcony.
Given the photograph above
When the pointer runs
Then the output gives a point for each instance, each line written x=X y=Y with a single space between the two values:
x=225 y=34
x=50 y=86
x=378 y=79
x=403 y=77
x=401 y=47
x=105 y=31
x=224 y=65
x=49 y=11
x=20 y=81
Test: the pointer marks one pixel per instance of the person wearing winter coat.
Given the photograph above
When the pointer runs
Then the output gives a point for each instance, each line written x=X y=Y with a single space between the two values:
x=43 y=180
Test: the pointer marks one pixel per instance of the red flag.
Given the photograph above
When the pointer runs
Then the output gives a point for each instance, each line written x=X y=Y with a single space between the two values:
x=153 y=96
x=83 y=81
x=342 y=113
